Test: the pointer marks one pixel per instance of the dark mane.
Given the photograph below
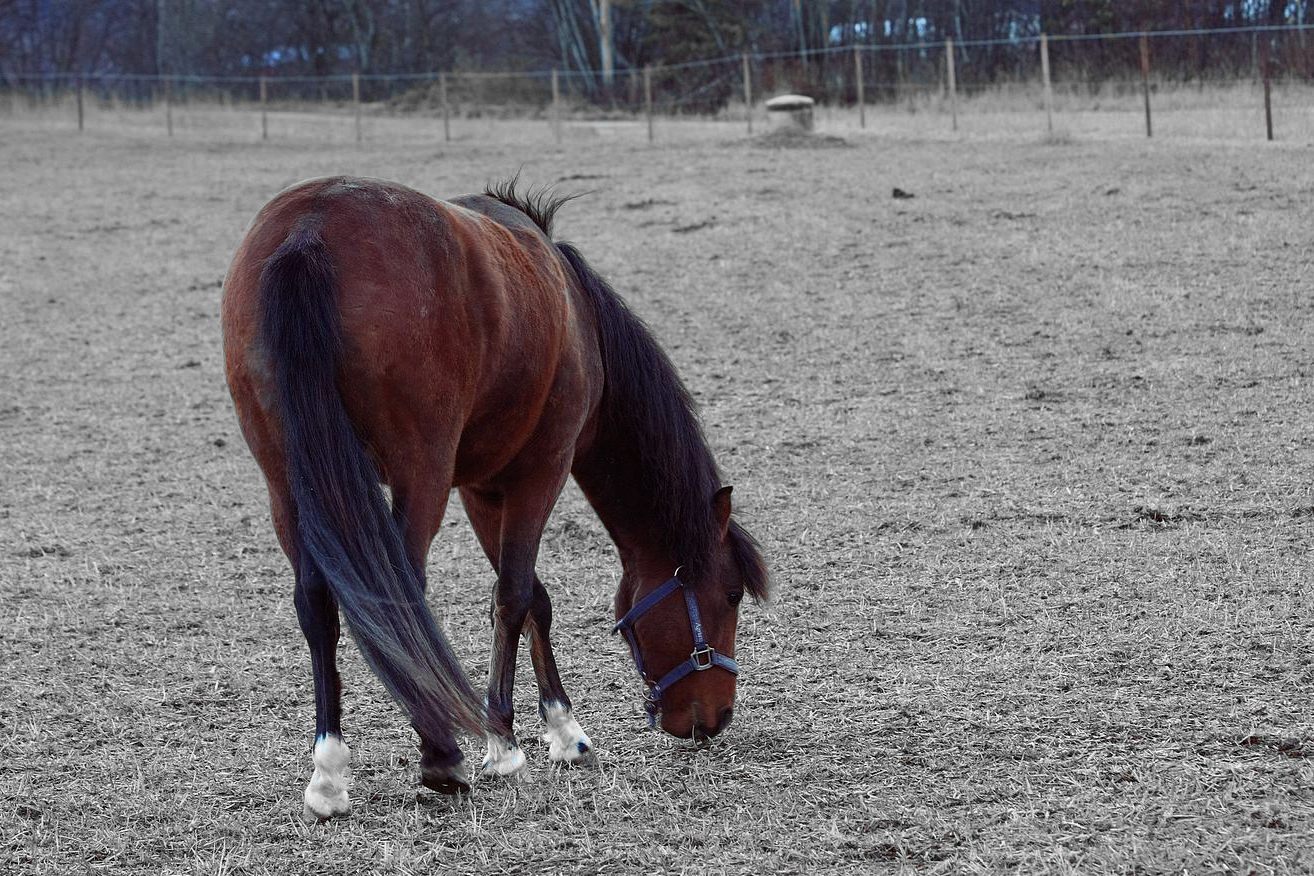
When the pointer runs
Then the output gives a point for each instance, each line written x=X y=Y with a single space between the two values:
x=649 y=416
x=748 y=557
x=539 y=204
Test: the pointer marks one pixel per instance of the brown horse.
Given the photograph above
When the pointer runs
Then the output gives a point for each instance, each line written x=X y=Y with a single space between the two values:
x=374 y=335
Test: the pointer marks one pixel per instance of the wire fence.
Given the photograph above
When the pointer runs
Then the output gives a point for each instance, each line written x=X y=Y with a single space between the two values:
x=1236 y=82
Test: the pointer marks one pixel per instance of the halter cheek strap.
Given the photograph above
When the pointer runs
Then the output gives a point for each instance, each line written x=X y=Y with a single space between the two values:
x=704 y=656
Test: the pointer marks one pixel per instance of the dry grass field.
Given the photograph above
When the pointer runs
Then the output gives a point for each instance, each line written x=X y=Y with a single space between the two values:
x=1029 y=454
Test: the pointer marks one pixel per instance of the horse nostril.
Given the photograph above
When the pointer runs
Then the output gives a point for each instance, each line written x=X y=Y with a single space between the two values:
x=723 y=721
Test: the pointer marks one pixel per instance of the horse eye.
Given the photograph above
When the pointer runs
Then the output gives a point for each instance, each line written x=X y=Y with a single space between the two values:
x=735 y=597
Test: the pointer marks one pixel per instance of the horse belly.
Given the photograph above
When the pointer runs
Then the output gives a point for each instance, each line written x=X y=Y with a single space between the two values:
x=535 y=427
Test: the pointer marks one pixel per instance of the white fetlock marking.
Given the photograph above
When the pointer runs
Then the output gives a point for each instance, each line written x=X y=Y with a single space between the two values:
x=567 y=742
x=503 y=758
x=326 y=795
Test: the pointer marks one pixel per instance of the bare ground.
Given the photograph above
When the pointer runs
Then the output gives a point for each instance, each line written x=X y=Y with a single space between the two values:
x=1027 y=451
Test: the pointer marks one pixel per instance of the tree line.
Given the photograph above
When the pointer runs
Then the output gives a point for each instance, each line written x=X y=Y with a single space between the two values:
x=595 y=40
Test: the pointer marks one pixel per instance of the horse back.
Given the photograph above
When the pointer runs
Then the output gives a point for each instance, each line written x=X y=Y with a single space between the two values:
x=465 y=346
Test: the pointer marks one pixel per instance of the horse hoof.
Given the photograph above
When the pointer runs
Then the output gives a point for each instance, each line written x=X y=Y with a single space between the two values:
x=318 y=814
x=577 y=752
x=445 y=780
x=321 y=807
x=326 y=796
x=567 y=742
x=504 y=758
x=583 y=757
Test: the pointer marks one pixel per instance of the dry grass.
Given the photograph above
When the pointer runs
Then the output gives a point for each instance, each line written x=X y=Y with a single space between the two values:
x=1223 y=110
x=1028 y=453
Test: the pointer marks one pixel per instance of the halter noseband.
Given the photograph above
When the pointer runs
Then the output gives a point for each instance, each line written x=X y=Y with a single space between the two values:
x=704 y=656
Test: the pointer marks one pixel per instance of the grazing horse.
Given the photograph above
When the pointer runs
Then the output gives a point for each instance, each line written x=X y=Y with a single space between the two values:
x=376 y=336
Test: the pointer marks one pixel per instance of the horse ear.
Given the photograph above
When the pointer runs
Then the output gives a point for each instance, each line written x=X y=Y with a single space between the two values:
x=721 y=508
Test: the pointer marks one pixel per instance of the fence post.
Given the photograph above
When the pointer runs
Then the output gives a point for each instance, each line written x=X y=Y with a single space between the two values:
x=1265 y=62
x=1044 y=75
x=607 y=40
x=556 y=105
x=168 y=104
x=748 y=94
x=647 y=98
x=953 y=80
x=857 y=73
x=1145 y=81
x=442 y=92
x=355 y=99
x=79 y=88
x=264 y=108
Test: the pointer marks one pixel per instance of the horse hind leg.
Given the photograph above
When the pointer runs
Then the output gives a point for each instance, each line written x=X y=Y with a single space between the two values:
x=442 y=767
x=419 y=513
x=327 y=794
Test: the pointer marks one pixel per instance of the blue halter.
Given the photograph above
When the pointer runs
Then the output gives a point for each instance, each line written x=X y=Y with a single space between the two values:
x=704 y=656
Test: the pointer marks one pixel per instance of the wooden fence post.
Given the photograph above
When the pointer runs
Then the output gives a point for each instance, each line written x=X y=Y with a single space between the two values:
x=556 y=105
x=79 y=89
x=1044 y=75
x=442 y=91
x=168 y=104
x=953 y=80
x=1145 y=81
x=647 y=98
x=1265 y=63
x=264 y=108
x=857 y=74
x=748 y=94
x=355 y=99
x=607 y=47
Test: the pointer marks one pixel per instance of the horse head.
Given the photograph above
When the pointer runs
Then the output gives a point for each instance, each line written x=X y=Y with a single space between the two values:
x=681 y=628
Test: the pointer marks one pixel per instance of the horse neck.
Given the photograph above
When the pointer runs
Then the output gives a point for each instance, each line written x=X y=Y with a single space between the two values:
x=648 y=471
x=609 y=476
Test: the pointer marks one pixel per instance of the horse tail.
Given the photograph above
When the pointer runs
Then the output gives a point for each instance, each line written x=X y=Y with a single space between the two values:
x=343 y=521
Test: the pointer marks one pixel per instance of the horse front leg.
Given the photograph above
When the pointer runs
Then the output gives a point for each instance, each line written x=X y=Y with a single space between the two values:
x=510 y=539
x=567 y=741
x=511 y=599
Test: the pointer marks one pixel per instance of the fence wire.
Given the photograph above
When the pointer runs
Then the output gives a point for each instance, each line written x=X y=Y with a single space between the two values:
x=967 y=83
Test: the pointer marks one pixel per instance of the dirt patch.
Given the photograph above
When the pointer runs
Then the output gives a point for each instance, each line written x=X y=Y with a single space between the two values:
x=1025 y=618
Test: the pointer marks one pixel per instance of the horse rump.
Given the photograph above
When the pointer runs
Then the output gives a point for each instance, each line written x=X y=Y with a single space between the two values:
x=343 y=520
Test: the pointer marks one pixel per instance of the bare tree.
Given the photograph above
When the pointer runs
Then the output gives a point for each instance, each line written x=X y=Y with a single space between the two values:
x=361 y=20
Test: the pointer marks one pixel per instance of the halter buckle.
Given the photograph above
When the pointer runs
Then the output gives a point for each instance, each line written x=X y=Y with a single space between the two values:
x=703 y=658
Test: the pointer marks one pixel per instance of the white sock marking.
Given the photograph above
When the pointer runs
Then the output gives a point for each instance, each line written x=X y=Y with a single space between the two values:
x=567 y=742
x=503 y=758
x=326 y=795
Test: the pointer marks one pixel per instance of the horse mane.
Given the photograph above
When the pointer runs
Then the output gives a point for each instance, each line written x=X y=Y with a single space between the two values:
x=539 y=204
x=648 y=413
